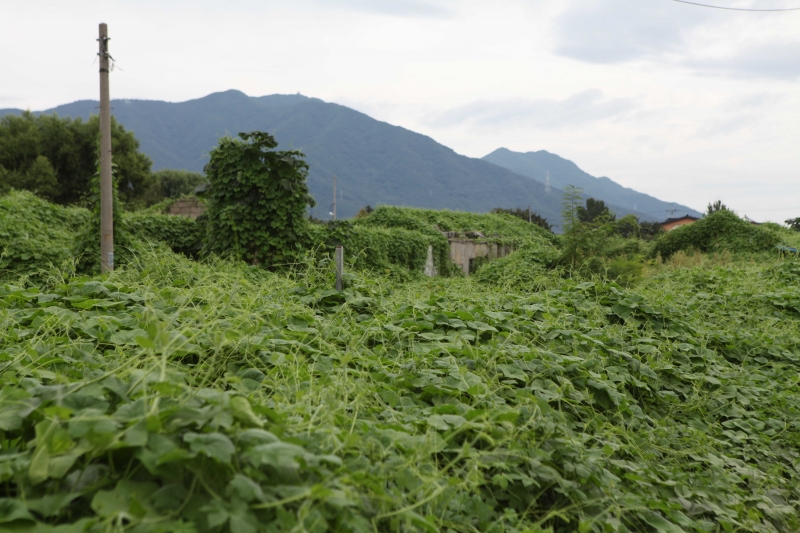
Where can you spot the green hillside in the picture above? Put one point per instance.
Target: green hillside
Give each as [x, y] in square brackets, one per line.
[562, 172]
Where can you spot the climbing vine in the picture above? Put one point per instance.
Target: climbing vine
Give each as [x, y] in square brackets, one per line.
[256, 200]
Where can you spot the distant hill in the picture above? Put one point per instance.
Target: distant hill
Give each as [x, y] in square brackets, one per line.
[374, 162]
[562, 172]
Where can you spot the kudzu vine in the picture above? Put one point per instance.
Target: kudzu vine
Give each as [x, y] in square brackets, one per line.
[257, 198]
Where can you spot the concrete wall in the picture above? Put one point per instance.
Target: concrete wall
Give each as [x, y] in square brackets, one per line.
[190, 208]
[462, 250]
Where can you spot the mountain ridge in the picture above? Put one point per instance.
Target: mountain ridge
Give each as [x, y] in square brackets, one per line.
[538, 164]
[374, 162]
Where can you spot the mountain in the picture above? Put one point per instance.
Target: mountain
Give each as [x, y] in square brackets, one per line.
[562, 172]
[374, 162]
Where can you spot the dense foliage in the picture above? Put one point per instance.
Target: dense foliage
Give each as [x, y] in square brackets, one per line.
[35, 234]
[715, 207]
[525, 214]
[175, 395]
[55, 157]
[496, 226]
[171, 184]
[257, 199]
[179, 396]
[720, 230]
[593, 211]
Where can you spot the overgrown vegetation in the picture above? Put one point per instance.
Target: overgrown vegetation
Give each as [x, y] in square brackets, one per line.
[182, 396]
[554, 391]
[525, 214]
[55, 158]
[720, 230]
[257, 198]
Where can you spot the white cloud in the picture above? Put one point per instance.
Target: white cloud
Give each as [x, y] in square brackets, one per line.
[684, 101]
[578, 109]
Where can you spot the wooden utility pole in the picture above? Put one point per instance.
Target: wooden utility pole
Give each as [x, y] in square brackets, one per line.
[339, 267]
[334, 197]
[106, 187]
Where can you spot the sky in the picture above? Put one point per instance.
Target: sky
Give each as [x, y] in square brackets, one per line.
[686, 103]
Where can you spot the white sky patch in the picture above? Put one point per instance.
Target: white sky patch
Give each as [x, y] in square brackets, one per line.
[684, 103]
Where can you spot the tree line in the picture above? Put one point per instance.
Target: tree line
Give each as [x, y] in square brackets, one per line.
[56, 158]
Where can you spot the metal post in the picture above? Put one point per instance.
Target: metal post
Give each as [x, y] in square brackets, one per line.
[339, 266]
[106, 187]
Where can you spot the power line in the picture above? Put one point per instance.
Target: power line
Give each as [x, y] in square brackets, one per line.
[736, 8]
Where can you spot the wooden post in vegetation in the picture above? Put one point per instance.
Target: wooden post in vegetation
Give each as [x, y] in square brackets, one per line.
[106, 187]
[334, 197]
[339, 266]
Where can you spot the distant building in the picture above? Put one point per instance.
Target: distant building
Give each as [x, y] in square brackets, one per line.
[672, 223]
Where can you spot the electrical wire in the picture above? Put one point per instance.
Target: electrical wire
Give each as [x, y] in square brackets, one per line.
[736, 8]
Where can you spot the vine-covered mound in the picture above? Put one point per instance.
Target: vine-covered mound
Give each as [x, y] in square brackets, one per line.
[497, 227]
[400, 236]
[721, 231]
[178, 396]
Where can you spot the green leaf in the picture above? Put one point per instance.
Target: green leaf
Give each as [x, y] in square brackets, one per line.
[243, 412]
[245, 489]
[276, 454]
[13, 510]
[659, 522]
[214, 445]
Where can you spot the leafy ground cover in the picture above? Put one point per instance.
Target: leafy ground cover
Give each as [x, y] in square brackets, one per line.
[174, 395]
[724, 230]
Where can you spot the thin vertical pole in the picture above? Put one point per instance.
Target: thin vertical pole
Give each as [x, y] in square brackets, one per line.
[339, 267]
[334, 197]
[529, 214]
[106, 197]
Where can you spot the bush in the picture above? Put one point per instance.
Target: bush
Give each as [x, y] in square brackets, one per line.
[183, 235]
[718, 231]
[524, 268]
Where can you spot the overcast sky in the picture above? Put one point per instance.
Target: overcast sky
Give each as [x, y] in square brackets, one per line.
[686, 103]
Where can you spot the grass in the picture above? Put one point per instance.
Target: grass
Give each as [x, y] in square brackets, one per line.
[175, 395]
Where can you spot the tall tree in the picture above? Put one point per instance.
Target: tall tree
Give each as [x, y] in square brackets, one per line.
[57, 157]
[594, 210]
[716, 206]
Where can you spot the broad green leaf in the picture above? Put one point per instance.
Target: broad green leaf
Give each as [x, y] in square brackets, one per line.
[214, 445]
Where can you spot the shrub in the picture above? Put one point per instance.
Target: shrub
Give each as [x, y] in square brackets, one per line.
[718, 231]
[183, 235]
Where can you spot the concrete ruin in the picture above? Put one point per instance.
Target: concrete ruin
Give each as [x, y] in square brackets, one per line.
[187, 207]
[465, 248]
[464, 252]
